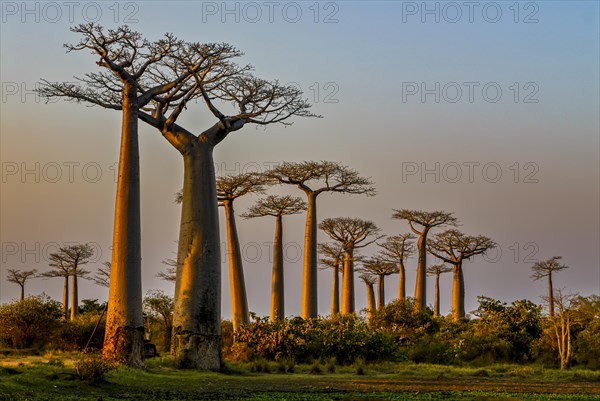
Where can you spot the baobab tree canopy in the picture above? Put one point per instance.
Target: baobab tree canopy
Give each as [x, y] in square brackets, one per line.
[452, 246]
[427, 221]
[274, 206]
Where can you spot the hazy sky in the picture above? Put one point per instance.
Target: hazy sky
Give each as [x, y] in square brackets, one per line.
[485, 109]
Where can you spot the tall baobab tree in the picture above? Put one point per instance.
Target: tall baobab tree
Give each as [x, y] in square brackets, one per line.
[454, 247]
[369, 281]
[277, 206]
[71, 259]
[427, 221]
[380, 268]
[19, 277]
[134, 71]
[352, 234]
[437, 270]
[197, 317]
[397, 249]
[332, 259]
[229, 188]
[60, 269]
[327, 177]
[545, 269]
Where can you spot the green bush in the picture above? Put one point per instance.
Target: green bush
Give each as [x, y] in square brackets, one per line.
[73, 335]
[92, 368]
[344, 338]
[30, 322]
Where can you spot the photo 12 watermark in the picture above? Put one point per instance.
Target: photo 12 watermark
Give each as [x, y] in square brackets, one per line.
[470, 172]
[253, 12]
[38, 252]
[72, 12]
[471, 12]
[469, 92]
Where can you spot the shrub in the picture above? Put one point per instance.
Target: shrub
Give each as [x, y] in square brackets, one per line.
[74, 334]
[30, 322]
[92, 368]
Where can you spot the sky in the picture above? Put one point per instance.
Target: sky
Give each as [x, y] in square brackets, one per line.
[485, 109]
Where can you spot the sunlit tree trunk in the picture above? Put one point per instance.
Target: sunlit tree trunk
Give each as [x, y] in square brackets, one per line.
[370, 300]
[310, 307]
[75, 300]
[196, 321]
[65, 301]
[436, 300]
[335, 290]
[401, 282]
[420, 285]
[458, 293]
[239, 300]
[277, 288]
[348, 283]
[380, 291]
[124, 338]
[550, 297]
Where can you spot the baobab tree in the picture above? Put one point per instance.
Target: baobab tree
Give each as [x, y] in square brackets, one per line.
[332, 259]
[545, 269]
[352, 234]
[427, 221]
[380, 268]
[454, 247]
[369, 281]
[327, 177]
[134, 72]
[229, 188]
[197, 317]
[60, 269]
[277, 206]
[437, 270]
[70, 259]
[397, 249]
[19, 277]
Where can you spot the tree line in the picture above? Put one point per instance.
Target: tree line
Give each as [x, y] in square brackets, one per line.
[154, 82]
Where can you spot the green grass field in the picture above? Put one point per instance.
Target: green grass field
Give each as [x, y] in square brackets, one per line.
[52, 377]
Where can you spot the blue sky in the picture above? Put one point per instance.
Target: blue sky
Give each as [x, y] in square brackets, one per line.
[542, 137]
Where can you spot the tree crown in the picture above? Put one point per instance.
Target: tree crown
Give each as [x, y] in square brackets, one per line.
[275, 206]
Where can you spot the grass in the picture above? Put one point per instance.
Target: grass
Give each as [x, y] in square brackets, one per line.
[52, 377]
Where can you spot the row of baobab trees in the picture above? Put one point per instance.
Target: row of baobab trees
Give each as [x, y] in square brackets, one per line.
[155, 82]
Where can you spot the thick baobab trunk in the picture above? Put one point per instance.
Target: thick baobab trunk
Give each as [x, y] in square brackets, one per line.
[550, 297]
[401, 282]
[420, 285]
[458, 293]
[196, 339]
[348, 283]
[74, 298]
[335, 290]
[237, 285]
[22, 296]
[370, 300]
[124, 338]
[380, 291]
[310, 307]
[436, 300]
[277, 295]
[65, 301]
